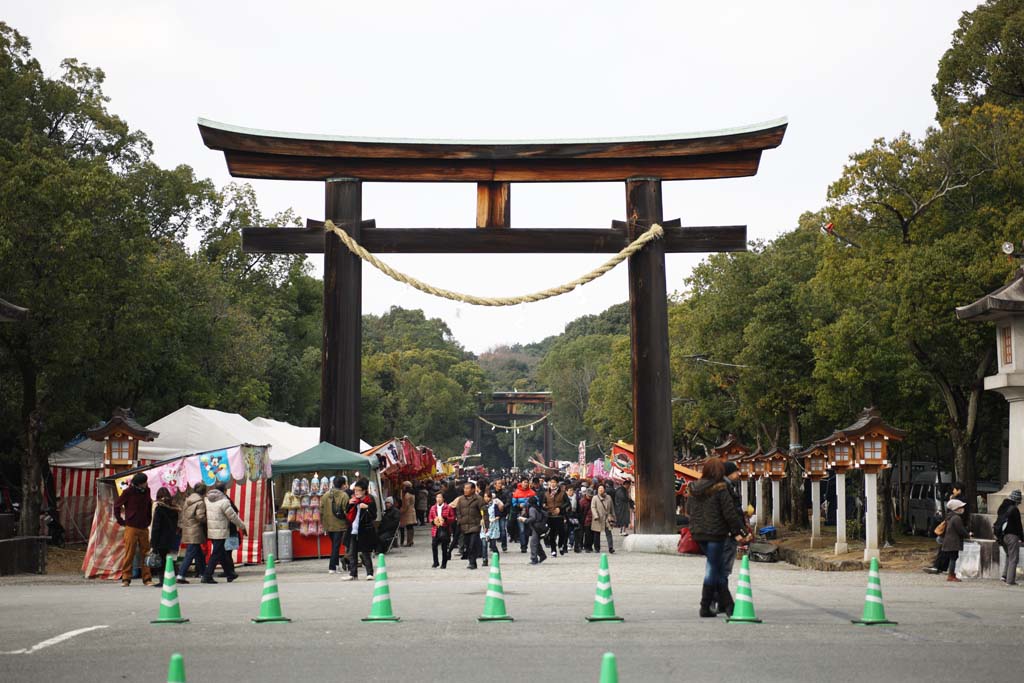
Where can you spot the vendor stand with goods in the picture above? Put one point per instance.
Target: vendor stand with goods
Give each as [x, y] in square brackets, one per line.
[401, 461]
[303, 479]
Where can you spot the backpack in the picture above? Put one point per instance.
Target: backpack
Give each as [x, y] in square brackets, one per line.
[764, 552]
[336, 508]
[541, 525]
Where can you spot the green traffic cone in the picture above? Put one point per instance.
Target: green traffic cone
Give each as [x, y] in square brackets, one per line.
[743, 612]
[170, 610]
[494, 604]
[270, 603]
[176, 669]
[604, 605]
[874, 611]
[380, 608]
[609, 669]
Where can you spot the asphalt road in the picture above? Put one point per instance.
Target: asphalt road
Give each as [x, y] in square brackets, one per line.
[966, 632]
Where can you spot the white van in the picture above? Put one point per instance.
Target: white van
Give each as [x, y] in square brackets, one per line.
[929, 492]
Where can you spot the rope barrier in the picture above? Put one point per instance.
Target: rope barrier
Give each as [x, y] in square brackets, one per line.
[509, 429]
[653, 233]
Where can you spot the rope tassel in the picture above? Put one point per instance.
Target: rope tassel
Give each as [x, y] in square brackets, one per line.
[653, 233]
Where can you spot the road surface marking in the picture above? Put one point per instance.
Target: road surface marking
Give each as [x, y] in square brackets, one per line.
[54, 641]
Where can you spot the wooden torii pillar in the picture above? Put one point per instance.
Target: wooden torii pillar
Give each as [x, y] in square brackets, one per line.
[343, 164]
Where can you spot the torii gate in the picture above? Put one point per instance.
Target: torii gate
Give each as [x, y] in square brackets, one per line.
[343, 164]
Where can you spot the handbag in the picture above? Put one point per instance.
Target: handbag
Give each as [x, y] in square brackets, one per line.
[941, 528]
[153, 560]
[231, 543]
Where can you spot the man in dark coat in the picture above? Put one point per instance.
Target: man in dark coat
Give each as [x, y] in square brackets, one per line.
[468, 517]
[133, 510]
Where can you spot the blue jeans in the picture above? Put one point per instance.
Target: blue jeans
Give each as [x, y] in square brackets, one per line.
[503, 532]
[193, 551]
[714, 568]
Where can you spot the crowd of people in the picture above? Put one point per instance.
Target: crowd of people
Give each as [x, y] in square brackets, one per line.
[476, 518]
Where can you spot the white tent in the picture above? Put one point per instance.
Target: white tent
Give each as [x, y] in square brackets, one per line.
[195, 430]
[293, 439]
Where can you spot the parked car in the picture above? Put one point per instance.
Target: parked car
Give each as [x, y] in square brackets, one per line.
[928, 494]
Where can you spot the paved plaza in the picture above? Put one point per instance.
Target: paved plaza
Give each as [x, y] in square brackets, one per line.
[969, 631]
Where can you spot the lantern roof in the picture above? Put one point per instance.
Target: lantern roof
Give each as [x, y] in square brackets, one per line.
[122, 421]
[868, 422]
[776, 453]
[1005, 302]
[9, 312]
[754, 455]
[815, 447]
[731, 446]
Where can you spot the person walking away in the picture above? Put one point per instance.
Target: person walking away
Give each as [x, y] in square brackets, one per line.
[389, 523]
[602, 518]
[713, 518]
[192, 522]
[422, 503]
[953, 539]
[408, 520]
[361, 513]
[623, 506]
[442, 518]
[133, 510]
[555, 504]
[164, 537]
[468, 511]
[732, 476]
[535, 519]
[332, 518]
[220, 515]
[1009, 534]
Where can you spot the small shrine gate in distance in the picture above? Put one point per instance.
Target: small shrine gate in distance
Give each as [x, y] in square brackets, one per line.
[641, 163]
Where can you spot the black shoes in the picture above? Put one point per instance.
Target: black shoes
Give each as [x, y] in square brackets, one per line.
[206, 580]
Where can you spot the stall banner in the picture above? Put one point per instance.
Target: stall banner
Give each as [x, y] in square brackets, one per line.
[254, 466]
[214, 467]
[170, 476]
[122, 483]
[236, 463]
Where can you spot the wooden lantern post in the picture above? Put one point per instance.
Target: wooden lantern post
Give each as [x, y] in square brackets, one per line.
[777, 459]
[815, 469]
[730, 449]
[758, 470]
[121, 435]
[746, 473]
[864, 444]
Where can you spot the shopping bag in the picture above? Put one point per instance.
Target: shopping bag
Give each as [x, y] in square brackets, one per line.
[968, 565]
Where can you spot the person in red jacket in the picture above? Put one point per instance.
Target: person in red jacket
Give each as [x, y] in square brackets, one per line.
[520, 501]
[442, 516]
[133, 510]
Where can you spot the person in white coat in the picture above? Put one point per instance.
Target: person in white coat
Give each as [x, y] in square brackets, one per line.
[220, 515]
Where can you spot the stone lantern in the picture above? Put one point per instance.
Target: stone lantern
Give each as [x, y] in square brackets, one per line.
[864, 444]
[1005, 308]
[815, 469]
[121, 435]
[746, 466]
[775, 469]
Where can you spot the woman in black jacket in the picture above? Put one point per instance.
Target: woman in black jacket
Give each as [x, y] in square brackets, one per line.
[164, 533]
[713, 519]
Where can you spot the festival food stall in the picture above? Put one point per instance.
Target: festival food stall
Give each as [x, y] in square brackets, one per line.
[401, 461]
[298, 485]
[244, 468]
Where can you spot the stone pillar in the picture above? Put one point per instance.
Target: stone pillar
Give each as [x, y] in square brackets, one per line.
[1015, 458]
[815, 512]
[776, 503]
[841, 546]
[871, 516]
[745, 494]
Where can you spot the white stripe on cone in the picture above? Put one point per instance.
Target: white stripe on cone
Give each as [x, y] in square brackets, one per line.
[744, 598]
[269, 596]
[381, 598]
[873, 598]
[495, 594]
[169, 603]
[603, 601]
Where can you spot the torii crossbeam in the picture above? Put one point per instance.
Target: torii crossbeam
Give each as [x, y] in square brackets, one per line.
[344, 163]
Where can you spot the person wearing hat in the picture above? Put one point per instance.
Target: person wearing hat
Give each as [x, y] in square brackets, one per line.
[1008, 521]
[388, 525]
[133, 510]
[955, 535]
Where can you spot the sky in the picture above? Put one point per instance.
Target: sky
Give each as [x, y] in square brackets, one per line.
[844, 73]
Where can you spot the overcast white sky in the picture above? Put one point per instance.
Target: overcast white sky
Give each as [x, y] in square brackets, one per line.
[843, 72]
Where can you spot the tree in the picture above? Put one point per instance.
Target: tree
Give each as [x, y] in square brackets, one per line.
[985, 63]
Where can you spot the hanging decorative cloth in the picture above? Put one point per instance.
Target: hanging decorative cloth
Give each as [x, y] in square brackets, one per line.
[236, 463]
[170, 476]
[214, 467]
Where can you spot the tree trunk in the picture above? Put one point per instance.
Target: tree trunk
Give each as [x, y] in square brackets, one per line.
[31, 467]
[794, 476]
[885, 500]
